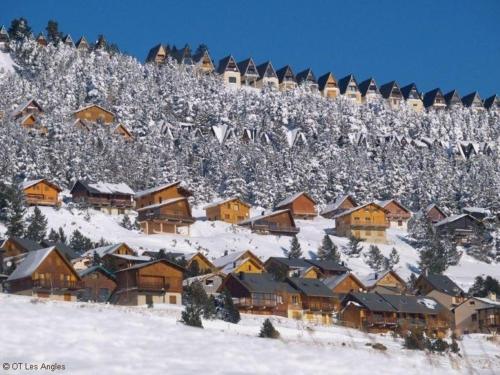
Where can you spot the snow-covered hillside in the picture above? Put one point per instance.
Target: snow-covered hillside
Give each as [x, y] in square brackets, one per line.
[6, 63]
[217, 237]
[87, 338]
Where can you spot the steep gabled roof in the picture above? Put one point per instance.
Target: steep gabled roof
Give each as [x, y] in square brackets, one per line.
[224, 201]
[387, 89]
[406, 90]
[336, 203]
[327, 265]
[413, 304]
[344, 83]
[386, 202]
[291, 262]
[350, 211]
[200, 54]
[370, 301]
[443, 284]
[286, 71]
[452, 218]
[492, 102]
[166, 202]
[183, 55]
[434, 205]
[29, 183]
[265, 68]
[94, 105]
[82, 43]
[104, 250]
[25, 243]
[472, 98]
[292, 198]
[452, 98]
[323, 80]
[310, 287]
[228, 263]
[270, 214]
[365, 85]
[68, 41]
[430, 97]
[244, 65]
[373, 278]
[93, 269]
[305, 76]
[224, 62]
[22, 107]
[104, 187]
[142, 265]
[333, 281]
[155, 189]
[262, 283]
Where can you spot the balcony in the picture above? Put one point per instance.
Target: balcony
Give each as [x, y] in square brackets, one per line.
[57, 284]
[40, 199]
[255, 302]
[107, 202]
[156, 286]
[275, 228]
[369, 224]
[326, 307]
[168, 217]
[380, 321]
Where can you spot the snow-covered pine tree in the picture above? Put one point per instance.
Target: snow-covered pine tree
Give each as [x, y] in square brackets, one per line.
[354, 247]
[295, 251]
[268, 331]
[375, 259]
[37, 228]
[328, 250]
[14, 213]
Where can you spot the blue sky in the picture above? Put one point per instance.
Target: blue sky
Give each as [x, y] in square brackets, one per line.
[445, 43]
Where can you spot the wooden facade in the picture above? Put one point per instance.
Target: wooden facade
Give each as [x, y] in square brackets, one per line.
[231, 210]
[369, 90]
[434, 99]
[158, 54]
[159, 281]
[170, 216]
[202, 263]
[114, 198]
[98, 285]
[489, 319]
[388, 281]
[341, 204]
[452, 99]
[368, 222]
[441, 288]
[160, 194]
[242, 261]
[95, 113]
[460, 228]
[434, 213]
[398, 215]
[41, 193]
[45, 273]
[203, 61]
[277, 222]
[392, 93]
[466, 315]
[349, 88]
[340, 285]
[301, 205]
[15, 246]
[327, 86]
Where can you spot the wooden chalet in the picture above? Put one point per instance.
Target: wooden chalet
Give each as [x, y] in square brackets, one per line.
[158, 54]
[267, 76]
[108, 197]
[45, 273]
[301, 205]
[341, 285]
[122, 130]
[159, 194]
[249, 73]
[82, 44]
[392, 93]
[441, 288]
[106, 253]
[328, 268]
[159, 281]
[327, 86]
[434, 99]
[434, 214]
[492, 103]
[466, 315]
[277, 222]
[98, 284]
[199, 261]
[41, 40]
[95, 113]
[67, 40]
[282, 267]
[286, 78]
[41, 192]
[376, 312]
[27, 114]
[367, 222]
[473, 100]
[386, 282]
[478, 213]
[488, 318]
[339, 205]
[397, 214]
[259, 293]
[4, 39]
[452, 99]
[307, 79]
[239, 261]
[349, 88]
[369, 90]
[229, 71]
[461, 228]
[231, 210]
[210, 282]
[171, 216]
[14, 246]
[411, 95]
[203, 61]
[316, 298]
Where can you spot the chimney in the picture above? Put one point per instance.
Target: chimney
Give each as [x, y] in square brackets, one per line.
[492, 295]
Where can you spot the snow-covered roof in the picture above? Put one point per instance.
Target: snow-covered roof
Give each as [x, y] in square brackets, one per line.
[152, 190]
[350, 211]
[30, 263]
[139, 258]
[256, 218]
[226, 259]
[164, 203]
[452, 218]
[332, 281]
[335, 204]
[23, 106]
[103, 250]
[384, 203]
[223, 201]
[27, 184]
[109, 188]
[478, 210]
[488, 301]
[374, 277]
[93, 105]
[291, 198]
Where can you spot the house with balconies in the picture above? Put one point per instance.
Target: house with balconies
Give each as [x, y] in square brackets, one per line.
[228, 70]
[391, 92]
[473, 100]
[340, 204]
[267, 76]
[112, 198]
[367, 222]
[203, 61]
[41, 192]
[434, 99]
[307, 79]
[301, 205]
[278, 222]
[249, 73]
[349, 88]
[398, 215]
[369, 90]
[286, 78]
[453, 100]
[327, 86]
[412, 97]
[170, 216]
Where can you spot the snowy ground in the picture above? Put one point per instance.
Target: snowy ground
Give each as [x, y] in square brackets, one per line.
[6, 63]
[98, 339]
[216, 237]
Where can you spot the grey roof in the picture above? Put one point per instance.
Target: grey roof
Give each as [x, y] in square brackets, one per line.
[344, 82]
[492, 101]
[281, 73]
[92, 269]
[223, 63]
[374, 277]
[310, 287]
[468, 100]
[453, 218]
[332, 281]
[263, 68]
[413, 304]
[365, 85]
[103, 250]
[262, 283]
[291, 198]
[259, 217]
[200, 53]
[154, 189]
[62, 247]
[25, 104]
[30, 263]
[444, 284]
[81, 42]
[323, 80]
[154, 51]
[336, 203]
[26, 243]
[387, 201]
[351, 210]
[164, 203]
[452, 98]
[306, 75]
[245, 64]
[327, 265]
[105, 187]
[371, 301]
[291, 262]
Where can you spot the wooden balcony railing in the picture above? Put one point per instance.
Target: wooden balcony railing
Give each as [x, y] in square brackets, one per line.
[369, 224]
[152, 285]
[39, 199]
[380, 321]
[318, 306]
[57, 284]
[275, 228]
[177, 218]
[255, 302]
[120, 203]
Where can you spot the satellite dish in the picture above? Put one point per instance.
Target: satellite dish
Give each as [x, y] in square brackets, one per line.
[9, 263]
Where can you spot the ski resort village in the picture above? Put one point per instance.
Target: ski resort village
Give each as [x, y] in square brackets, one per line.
[177, 214]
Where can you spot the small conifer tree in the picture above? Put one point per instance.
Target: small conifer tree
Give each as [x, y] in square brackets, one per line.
[268, 331]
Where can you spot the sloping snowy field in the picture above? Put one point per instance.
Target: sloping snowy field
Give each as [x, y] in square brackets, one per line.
[98, 339]
[216, 237]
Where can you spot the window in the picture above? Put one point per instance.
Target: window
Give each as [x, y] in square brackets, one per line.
[249, 267]
[474, 317]
[295, 300]
[231, 79]
[236, 207]
[226, 216]
[400, 223]
[209, 282]
[172, 300]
